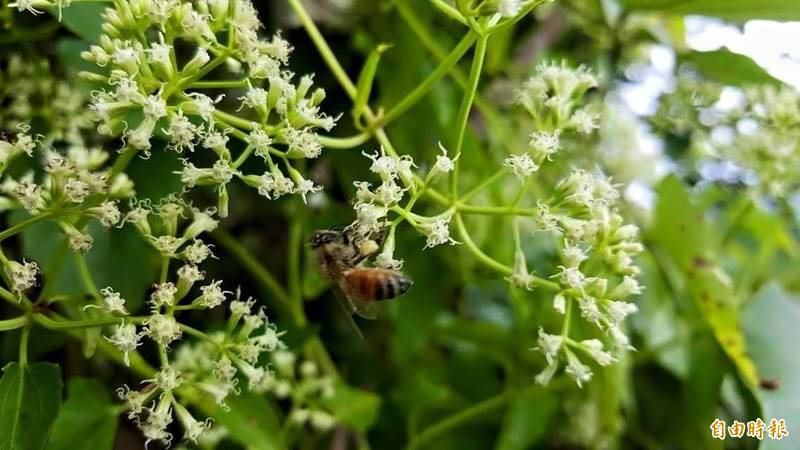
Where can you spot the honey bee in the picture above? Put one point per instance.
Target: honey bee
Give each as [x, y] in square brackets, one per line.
[357, 288]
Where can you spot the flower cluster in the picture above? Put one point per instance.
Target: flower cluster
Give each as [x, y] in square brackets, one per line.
[30, 93]
[754, 132]
[766, 142]
[300, 382]
[552, 99]
[374, 204]
[211, 366]
[152, 87]
[75, 186]
[596, 275]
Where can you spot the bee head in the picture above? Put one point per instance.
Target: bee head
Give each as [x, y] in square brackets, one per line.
[322, 237]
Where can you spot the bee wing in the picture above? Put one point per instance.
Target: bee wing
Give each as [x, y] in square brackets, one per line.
[365, 309]
[348, 308]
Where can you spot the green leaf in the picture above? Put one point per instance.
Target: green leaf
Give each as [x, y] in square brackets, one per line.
[680, 231]
[770, 322]
[30, 398]
[354, 407]
[527, 419]
[251, 422]
[83, 19]
[88, 411]
[728, 68]
[365, 79]
[736, 10]
[118, 258]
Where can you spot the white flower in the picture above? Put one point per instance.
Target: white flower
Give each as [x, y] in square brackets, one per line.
[303, 142]
[438, 233]
[163, 329]
[573, 255]
[521, 165]
[190, 274]
[594, 347]
[192, 428]
[572, 277]
[212, 295]
[197, 252]
[385, 259]
[164, 295]
[577, 370]
[388, 193]
[305, 187]
[543, 144]
[549, 345]
[215, 140]
[154, 107]
[108, 213]
[382, 164]
[443, 163]
[260, 141]
[167, 379]
[618, 311]
[202, 222]
[547, 374]
[584, 121]
[275, 184]
[368, 218]
[126, 339]
[203, 105]
[629, 286]
[23, 276]
[321, 420]
[620, 339]
[363, 193]
[81, 243]
[589, 309]
[158, 419]
[77, 190]
[27, 5]
[521, 278]
[29, 194]
[254, 98]
[560, 303]
[159, 53]
[509, 8]
[182, 133]
[113, 302]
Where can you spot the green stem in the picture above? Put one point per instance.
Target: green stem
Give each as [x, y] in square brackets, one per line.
[346, 142]
[447, 63]
[60, 324]
[218, 84]
[449, 11]
[460, 418]
[235, 121]
[466, 105]
[23, 345]
[322, 46]
[496, 210]
[13, 324]
[8, 232]
[429, 40]
[262, 275]
[293, 261]
[86, 277]
[482, 257]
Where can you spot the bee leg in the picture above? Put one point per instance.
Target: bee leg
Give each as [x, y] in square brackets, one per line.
[381, 236]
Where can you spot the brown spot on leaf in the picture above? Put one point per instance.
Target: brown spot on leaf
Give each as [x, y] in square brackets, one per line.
[699, 262]
[770, 384]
